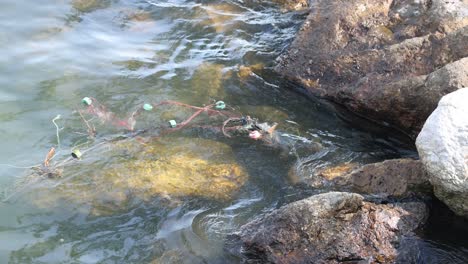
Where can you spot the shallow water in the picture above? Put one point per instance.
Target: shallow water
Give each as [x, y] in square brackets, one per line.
[125, 53]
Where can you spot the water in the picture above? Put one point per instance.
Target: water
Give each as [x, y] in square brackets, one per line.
[125, 53]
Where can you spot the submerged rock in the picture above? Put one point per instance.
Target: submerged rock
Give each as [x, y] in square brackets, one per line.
[394, 178]
[190, 167]
[265, 112]
[329, 228]
[207, 82]
[381, 59]
[443, 149]
[245, 72]
[90, 5]
[173, 168]
[221, 17]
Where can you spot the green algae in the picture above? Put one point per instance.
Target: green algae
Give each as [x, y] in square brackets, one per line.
[132, 169]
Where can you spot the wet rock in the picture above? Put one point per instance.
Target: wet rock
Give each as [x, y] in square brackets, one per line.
[265, 112]
[187, 168]
[90, 5]
[292, 5]
[129, 171]
[246, 71]
[329, 228]
[381, 58]
[137, 20]
[177, 257]
[207, 82]
[222, 17]
[443, 148]
[395, 178]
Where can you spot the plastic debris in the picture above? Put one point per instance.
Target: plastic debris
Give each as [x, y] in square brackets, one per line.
[147, 107]
[220, 105]
[76, 153]
[172, 123]
[87, 101]
[255, 135]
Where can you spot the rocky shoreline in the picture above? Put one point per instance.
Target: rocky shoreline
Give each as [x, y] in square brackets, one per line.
[391, 62]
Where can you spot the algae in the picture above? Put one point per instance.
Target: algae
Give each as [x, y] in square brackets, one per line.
[90, 5]
[222, 17]
[266, 112]
[246, 71]
[129, 170]
[207, 81]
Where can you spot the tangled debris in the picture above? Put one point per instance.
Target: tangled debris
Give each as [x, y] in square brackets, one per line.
[219, 117]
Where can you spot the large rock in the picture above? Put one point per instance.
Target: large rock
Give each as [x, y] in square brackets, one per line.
[443, 149]
[123, 172]
[388, 60]
[329, 228]
[397, 178]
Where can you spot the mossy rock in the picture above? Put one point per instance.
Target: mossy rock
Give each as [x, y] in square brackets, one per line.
[207, 81]
[90, 5]
[165, 168]
[186, 167]
[222, 17]
[245, 72]
[265, 113]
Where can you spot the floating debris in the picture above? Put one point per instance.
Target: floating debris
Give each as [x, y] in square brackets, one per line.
[153, 166]
[172, 123]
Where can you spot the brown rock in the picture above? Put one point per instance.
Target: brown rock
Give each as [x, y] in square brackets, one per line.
[398, 177]
[380, 58]
[329, 228]
[395, 178]
[292, 5]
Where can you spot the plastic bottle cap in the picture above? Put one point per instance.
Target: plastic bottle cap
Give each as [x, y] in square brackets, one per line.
[220, 105]
[76, 153]
[148, 107]
[87, 101]
[172, 123]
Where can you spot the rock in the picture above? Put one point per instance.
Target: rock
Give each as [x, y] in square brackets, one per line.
[177, 257]
[245, 72]
[292, 5]
[266, 113]
[387, 60]
[221, 17]
[131, 171]
[443, 148]
[395, 178]
[284, 5]
[207, 82]
[90, 5]
[329, 228]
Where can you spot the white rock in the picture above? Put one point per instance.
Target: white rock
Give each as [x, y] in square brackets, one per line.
[443, 149]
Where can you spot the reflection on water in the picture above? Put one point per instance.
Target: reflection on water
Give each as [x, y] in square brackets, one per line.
[55, 52]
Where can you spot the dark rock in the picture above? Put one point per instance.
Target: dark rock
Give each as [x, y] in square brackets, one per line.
[381, 58]
[329, 228]
[396, 178]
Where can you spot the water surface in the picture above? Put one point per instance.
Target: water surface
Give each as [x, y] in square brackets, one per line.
[125, 53]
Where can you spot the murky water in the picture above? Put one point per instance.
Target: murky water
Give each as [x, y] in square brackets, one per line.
[108, 208]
